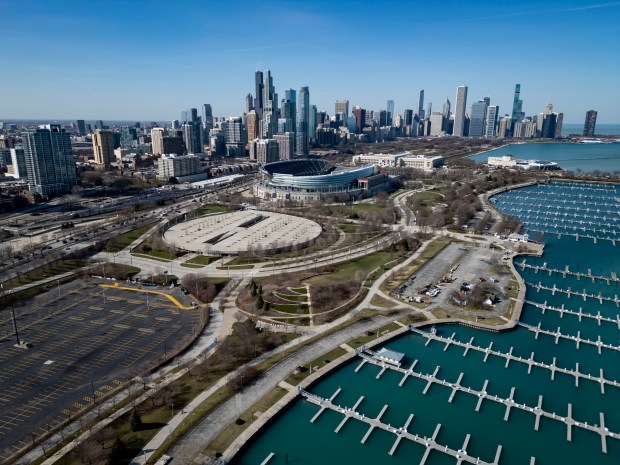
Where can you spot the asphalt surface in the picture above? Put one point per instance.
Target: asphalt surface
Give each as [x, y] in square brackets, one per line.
[84, 346]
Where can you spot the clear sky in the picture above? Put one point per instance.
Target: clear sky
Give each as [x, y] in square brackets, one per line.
[149, 60]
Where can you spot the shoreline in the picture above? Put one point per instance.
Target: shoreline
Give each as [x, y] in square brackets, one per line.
[246, 437]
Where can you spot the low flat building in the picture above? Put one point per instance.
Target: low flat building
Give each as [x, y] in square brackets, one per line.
[508, 161]
[402, 159]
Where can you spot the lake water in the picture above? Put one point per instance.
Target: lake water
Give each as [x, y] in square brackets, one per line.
[572, 157]
[293, 439]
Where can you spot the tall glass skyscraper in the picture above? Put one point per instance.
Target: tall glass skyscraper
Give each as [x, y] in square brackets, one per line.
[491, 124]
[303, 120]
[50, 166]
[517, 106]
[477, 118]
[390, 112]
[459, 113]
[590, 124]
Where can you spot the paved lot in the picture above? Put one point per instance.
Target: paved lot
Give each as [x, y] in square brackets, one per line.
[86, 342]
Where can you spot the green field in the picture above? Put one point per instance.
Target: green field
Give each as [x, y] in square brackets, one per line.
[119, 243]
[199, 261]
[347, 270]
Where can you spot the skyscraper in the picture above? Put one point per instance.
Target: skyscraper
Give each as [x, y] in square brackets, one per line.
[18, 161]
[258, 96]
[342, 106]
[446, 108]
[270, 107]
[491, 123]
[312, 124]
[128, 136]
[390, 112]
[517, 106]
[81, 127]
[289, 108]
[103, 147]
[235, 140]
[360, 119]
[157, 142]
[421, 104]
[192, 137]
[590, 124]
[459, 113]
[249, 103]
[303, 121]
[50, 166]
[558, 125]
[477, 118]
[207, 116]
[286, 145]
[252, 125]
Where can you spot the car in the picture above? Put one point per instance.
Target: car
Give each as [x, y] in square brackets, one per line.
[148, 284]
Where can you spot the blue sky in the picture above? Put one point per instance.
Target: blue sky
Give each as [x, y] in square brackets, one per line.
[149, 60]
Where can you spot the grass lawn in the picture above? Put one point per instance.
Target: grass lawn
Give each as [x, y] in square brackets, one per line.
[299, 290]
[413, 318]
[45, 271]
[295, 378]
[292, 298]
[211, 208]
[349, 228]
[381, 302]
[346, 270]
[360, 341]
[302, 321]
[119, 243]
[199, 261]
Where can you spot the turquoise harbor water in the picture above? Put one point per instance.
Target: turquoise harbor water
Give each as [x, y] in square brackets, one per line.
[571, 157]
[566, 316]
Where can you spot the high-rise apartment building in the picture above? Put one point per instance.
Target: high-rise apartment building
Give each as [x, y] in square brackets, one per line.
[173, 144]
[286, 145]
[558, 125]
[103, 147]
[128, 136]
[170, 166]
[50, 166]
[503, 129]
[459, 113]
[421, 104]
[18, 161]
[252, 124]
[477, 118]
[192, 137]
[235, 137]
[517, 106]
[267, 151]
[312, 124]
[590, 124]
[289, 108]
[303, 122]
[491, 122]
[157, 141]
[342, 106]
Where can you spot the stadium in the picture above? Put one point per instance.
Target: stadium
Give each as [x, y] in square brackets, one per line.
[311, 180]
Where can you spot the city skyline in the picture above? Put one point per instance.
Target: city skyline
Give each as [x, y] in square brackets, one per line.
[92, 63]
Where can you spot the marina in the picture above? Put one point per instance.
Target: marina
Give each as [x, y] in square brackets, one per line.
[461, 395]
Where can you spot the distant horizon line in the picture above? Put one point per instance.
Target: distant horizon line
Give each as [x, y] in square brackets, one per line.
[135, 120]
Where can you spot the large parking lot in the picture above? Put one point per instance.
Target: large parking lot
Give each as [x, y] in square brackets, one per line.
[87, 341]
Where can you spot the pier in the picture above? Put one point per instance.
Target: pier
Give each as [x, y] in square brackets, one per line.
[531, 362]
[580, 314]
[508, 402]
[570, 293]
[599, 344]
[566, 272]
[430, 443]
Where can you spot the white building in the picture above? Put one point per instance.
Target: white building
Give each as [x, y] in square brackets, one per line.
[508, 161]
[177, 166]
[403, 159]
